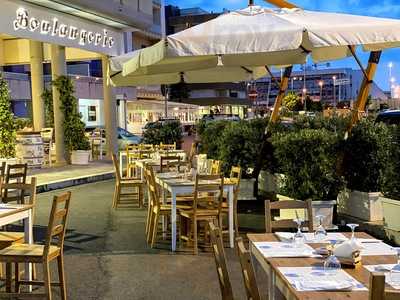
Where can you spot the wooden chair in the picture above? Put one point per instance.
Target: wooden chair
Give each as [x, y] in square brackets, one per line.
[47, 135]
[168, 146]
[249, 277]
[16, 173]
[215, 167]
[132, 154]
[8, 238]
[156, 208]
[121, 184]
[220, 262]
[377, 288]
[234, 177]
[3, 169]
[169, 161]
[42, 254]
[207, 206]
[271, 224]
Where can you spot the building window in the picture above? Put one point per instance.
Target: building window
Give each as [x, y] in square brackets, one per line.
[92, 114]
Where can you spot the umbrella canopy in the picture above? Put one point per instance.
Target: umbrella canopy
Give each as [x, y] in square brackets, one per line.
[237, 45]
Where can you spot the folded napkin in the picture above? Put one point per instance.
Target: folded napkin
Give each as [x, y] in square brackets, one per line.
[323, 285]
[347, 248]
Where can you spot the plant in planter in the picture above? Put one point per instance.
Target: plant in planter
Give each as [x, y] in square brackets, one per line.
[210, 134]
[390, 180]
[361, 167]
[167, 133]
[308, 159]
[74, 128]
[7, 126]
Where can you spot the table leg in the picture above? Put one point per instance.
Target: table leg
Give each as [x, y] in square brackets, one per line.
[164, 218]
[120, 164]
[173, 221]
[28, 230]
[231, 219]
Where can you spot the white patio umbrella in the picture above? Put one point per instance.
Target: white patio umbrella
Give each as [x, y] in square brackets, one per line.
[237, 45]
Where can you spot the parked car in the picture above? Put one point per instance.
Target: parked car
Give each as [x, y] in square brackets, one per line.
[390, 117]
[219, 117]
[124, 136]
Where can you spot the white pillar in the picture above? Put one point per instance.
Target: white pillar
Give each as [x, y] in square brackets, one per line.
[58, 68]
[37, 84]
[110, 111]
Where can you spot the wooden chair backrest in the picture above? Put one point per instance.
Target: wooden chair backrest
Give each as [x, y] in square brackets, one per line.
[154, 196]
[210, 185]
[377, 288]
[116, 168]
[23, 190]
[192, 154]
[271, 224]
[168, 159]
[146, 147]
[168, 146]
[249, 277]
[215, 167]
[236, 175]
[57, 222]
[3, 169]
[220, 262]
[16, 173]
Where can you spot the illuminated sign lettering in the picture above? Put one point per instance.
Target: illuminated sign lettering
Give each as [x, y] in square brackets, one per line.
[54, 28]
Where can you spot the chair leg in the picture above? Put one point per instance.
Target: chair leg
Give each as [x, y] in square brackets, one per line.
[61, 276]
[118, 195]
[155, 228]
[8, 277]
[17, 285]
[47, 280]
[150, 225]
[115, 196]
[195, 240]
[141, 196]
[148, 219]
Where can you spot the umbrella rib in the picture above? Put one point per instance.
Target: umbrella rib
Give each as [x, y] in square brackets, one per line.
[115, 74]
[273, 79]
[353, 53]
[247, 70]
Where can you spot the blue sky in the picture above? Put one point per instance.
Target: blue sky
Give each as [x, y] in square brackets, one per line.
[378, 8]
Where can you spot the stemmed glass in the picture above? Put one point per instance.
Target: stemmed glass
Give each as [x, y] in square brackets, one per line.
[320, 233]
[395, 271]
[352, 227]
[298, 237]
[332, 263]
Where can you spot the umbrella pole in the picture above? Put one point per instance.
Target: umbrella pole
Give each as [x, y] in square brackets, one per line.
[282, 90]
[361, 102]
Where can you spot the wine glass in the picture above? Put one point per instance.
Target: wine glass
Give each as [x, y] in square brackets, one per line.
[395, 271]
[320, 233]
[352, 227]
[332, 264]
[298, 237]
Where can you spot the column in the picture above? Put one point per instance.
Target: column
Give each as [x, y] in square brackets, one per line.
[37, 84]
[58, 68]
[110, 111]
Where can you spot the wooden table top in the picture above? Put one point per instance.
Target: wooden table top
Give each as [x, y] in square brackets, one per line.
[359, 273]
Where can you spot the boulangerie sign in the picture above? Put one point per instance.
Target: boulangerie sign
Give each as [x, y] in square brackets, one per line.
[24, 20]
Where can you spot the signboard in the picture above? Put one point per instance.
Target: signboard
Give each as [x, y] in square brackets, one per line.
[342, 81]
[24, 20]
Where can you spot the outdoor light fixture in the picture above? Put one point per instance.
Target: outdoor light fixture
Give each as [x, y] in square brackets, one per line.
[321, 83]
[304, 91]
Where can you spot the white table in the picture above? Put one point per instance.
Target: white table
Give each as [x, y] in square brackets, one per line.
[184, 186]
[122, 158]
[11, 213]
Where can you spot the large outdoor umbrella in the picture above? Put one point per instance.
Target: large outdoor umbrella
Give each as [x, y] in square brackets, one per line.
[237, 46]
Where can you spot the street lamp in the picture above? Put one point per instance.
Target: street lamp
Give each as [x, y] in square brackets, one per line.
[304, 98]
[293, 78]
[334, 91]
[321, 84]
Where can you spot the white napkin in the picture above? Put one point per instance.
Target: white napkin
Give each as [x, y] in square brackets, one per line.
[321, 285]
[347, 248]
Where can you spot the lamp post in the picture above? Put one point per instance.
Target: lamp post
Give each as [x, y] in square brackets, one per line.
[334, 91]
[390, 66]
[321, 84]
[304, 99]
[293, 78]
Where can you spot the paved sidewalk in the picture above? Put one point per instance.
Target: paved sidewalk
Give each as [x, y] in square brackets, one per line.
[107, 257]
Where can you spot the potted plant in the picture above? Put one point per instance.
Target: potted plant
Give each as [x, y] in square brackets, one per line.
[308, 158]
[361, 167]
[7, 126]
[76, 142]
[390, 181]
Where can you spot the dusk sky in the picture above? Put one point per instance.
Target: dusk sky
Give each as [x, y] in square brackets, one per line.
[381, 8]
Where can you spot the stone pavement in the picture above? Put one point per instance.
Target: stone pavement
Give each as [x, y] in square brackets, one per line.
[107, 256]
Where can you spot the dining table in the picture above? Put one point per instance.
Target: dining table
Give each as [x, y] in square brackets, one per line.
[280, 270]
[181, 184]
[11, 213]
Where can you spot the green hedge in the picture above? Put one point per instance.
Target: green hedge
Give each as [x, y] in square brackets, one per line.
[167, 133]
[309, 160]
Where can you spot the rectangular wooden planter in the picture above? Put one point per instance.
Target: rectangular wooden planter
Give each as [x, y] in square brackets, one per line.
[362, 205]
